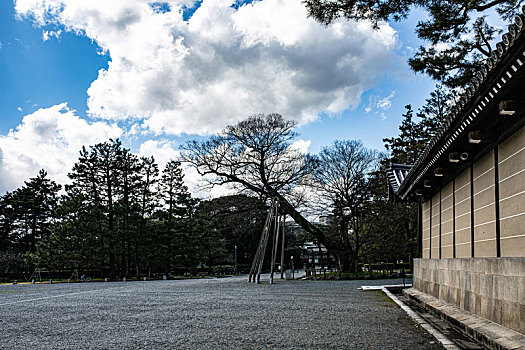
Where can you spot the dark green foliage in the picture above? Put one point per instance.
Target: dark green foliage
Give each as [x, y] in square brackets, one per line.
[457, 32]
[117, 216]
[407, 147]
[230, 221]
[177, 209]
[28, 213]
[414, 135]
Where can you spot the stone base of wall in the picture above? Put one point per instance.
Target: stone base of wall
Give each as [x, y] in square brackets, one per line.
[489, 334]
[493, 288]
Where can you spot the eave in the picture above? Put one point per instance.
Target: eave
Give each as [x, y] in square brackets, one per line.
[481, 112]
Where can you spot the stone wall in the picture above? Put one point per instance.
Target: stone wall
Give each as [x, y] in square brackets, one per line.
[493, 288]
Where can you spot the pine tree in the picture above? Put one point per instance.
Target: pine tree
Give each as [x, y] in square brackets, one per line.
[177, 208]
[414, 135]
[33, 211]
[406, 147]
[457, 33]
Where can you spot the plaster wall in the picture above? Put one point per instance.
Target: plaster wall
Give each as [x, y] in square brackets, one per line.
[426, 229]
[461, 221]
[511, 178]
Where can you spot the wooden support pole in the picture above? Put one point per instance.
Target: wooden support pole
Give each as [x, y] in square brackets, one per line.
[282, 245]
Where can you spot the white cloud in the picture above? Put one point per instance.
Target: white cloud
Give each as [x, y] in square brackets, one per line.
[48, 34]
[440, 47]
[163, 151]
[49, 138]
[301, 145]
[386, 103]
[19, 109]
[222, 64]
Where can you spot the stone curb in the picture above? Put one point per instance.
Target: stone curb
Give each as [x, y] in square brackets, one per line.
[490, 334]
[440, 337]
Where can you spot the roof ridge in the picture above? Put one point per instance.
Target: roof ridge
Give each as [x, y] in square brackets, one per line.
[514, 31]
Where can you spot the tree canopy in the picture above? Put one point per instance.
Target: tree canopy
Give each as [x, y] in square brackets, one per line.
[458, 33]
[256, 155]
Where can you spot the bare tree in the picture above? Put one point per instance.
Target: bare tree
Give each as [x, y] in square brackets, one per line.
[256, 156]
[345, 189]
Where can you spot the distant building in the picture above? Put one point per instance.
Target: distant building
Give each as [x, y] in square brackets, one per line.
[470, 184]
[326, 219]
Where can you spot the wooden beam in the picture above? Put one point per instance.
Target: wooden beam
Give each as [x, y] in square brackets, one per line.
[507, 107]
[453, 157]
[475, 137]
[439, 172]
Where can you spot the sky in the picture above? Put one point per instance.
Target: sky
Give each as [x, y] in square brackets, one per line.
[158, 73]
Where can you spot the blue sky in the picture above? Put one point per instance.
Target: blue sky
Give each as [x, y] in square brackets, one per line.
[73, 74]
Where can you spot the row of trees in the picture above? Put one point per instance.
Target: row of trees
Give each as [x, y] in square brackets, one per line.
[345, 180]
[121, 215]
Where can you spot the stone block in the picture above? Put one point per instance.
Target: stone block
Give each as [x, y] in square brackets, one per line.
[435, 276]
[467, 281]
[522, 318]
[452, 278]
[486, 285]
[499, 266]
[478, 266]
[446, 277]
[510, 288]
[475, 283]
[510, 315]
[496, 310]
[521, 290]
[451, 297]
[497, 291]
[470, 303]
[485, 307]
[426, 287]
[491, 265]
[463, 264]
[459, 297]
[463, 300]
[477, 305]
[443, 264]
[432, 264]
[435, 290]
[452, 264]
[514, 267]
[443, 292]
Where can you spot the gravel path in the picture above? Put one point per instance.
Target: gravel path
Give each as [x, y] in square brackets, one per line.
[224, 313]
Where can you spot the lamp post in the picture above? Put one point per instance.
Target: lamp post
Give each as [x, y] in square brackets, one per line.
[235, 270]
[293, 270]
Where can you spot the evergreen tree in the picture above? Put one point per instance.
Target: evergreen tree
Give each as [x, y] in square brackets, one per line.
[408, 145]
[177, 209]
[414, 135]
[149, 171]
[32, 211]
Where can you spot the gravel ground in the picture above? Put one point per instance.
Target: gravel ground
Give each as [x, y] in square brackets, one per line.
[227, 313]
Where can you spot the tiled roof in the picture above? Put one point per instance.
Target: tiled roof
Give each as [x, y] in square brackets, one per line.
[396, 174]
[472, 101]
